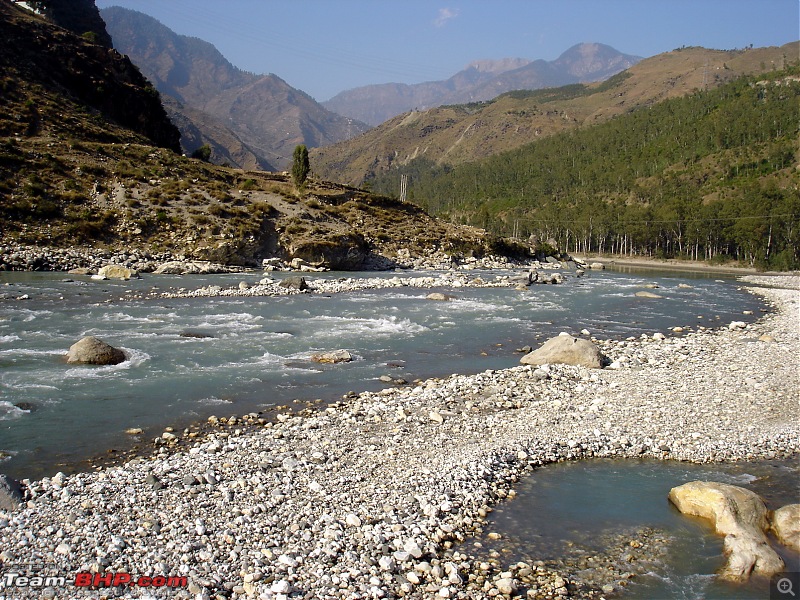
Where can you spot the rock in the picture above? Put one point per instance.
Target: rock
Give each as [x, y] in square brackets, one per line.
[337, 356]
[647, 295]
[190, 267]
[11, 497]
[81, 271]
[93, 351]
[785, 523]
[117, 272]
[294, 283]
[134, 431]
[506, 586]
[195, 334]
[766, 338]
[567, 350]
[597, 266]
[738, 514]
[436, 417]
[437, 296]
[737, 325]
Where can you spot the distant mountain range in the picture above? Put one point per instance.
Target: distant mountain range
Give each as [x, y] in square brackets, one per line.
[456, 134]
[250, 121]
[481, 80]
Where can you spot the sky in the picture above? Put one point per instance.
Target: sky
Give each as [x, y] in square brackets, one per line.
[326, 46]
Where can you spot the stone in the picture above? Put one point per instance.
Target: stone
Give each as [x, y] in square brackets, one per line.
[11, 497]
[506, 586]
[189, 267]
[785, 523]
[81, 271]
[438, 296]
[436, 417]
[737, 325]
[334, 357]
[597, 266]
[738, 514]
[766, 338]
[568, 350]
[117, 272]
[644, 294]
[93, 351]
[294, 283]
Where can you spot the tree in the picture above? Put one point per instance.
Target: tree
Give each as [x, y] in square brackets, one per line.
[300, 166]
[203, 153]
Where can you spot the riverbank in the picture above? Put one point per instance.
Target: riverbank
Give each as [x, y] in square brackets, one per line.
[674, 264]
[369, 497]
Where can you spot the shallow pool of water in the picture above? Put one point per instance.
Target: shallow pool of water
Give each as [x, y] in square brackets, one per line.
[574, 508]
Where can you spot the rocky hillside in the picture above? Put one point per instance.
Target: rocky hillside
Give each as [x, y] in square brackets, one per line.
[463, 133]
[65, 86]
[88, 158]
[480, 81]
[265, 117]
[78, 16]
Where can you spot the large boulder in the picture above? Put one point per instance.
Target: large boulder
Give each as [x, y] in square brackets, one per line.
[294, 283]
[336, 356]
[190, 267]
[786, 526]
[11, 496]
[567, 350]
[117, 272]
[739, 515]
[92, 351]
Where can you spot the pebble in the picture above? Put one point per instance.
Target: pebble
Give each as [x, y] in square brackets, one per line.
[336, 504]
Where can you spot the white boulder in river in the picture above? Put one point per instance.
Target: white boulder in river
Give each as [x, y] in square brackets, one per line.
[93, 351]
[567, 350]
[738, 514]
[786, 526]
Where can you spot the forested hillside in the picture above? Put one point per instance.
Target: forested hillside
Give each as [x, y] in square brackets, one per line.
[712, 175]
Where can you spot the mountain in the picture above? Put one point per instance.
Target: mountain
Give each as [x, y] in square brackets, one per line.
[707, 175]
[78, 16]
[455, 134]
[481, 80]
[265, 117]
[88, 158]
[52, 75]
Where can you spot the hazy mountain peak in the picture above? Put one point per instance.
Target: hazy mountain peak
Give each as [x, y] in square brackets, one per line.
[482, 80]
[497, 66]
[591, 61]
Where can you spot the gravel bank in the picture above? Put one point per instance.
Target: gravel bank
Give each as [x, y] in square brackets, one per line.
[369, 497]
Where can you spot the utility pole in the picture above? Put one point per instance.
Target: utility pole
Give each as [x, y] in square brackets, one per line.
[403, 187]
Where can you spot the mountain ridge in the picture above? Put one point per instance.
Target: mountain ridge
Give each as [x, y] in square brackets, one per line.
[481, 80]
[453, 134]
[262, 112]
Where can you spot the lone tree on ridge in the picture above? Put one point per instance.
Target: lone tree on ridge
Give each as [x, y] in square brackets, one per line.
[300, 166]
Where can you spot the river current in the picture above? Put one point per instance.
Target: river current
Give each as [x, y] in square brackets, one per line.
[190, 358]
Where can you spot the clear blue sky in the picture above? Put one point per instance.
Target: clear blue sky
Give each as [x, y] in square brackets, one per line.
[325, 46]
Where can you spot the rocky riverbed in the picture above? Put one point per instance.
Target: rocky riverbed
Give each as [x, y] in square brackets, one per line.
[372, 496]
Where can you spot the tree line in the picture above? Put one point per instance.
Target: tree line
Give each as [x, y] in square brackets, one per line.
[708, 176]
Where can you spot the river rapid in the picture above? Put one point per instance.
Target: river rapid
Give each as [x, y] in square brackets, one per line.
[189, 358]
